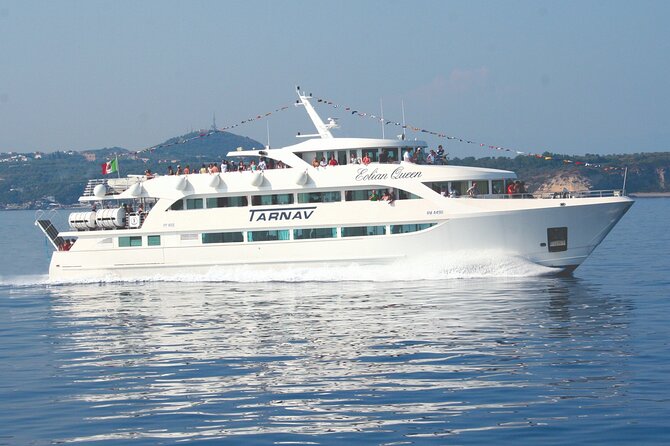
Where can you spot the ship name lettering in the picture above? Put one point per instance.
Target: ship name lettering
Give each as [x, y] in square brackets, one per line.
[400, 173]
[303, 213]
[363, 175]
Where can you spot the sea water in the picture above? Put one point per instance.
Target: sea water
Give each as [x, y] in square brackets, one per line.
[469, 351]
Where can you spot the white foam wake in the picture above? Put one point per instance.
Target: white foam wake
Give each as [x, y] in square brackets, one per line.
[454, 266]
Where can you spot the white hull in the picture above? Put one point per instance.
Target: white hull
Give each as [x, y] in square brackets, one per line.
[518, 233]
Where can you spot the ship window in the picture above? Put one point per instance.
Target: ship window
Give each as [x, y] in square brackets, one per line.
[301, 234]
[482, 186]
[438, 186]
[498, 186]
[342, 157]
[177, 205]
[404, 195]
[359, 231]
[392, 155]
[227, 202]
[194, 203]
[319, 197]
[264, 200]
[222, 237]
[153, 240]
[461, 187]
[403, 229]
[361, 195]
[263, 236]
[557, 239]
[125, 242]
[373, 154]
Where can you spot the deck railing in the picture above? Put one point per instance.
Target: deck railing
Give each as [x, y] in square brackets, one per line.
[555, 195]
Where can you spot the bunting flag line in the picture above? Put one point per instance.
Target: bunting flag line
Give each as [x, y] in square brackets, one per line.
[204, 134]
[356, 112]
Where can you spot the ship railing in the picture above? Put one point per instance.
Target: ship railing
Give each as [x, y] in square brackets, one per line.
[114, 186]
[554, 195]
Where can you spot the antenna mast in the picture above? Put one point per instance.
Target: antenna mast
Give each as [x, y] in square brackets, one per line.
[321, 127]
[404, 127]
[381, 105]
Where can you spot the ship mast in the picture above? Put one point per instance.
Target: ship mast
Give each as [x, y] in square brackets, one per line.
[321, 127]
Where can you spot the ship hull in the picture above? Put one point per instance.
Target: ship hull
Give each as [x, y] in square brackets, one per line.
[518, 233]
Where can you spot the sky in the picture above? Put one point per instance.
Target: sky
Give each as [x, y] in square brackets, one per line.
[569, 77]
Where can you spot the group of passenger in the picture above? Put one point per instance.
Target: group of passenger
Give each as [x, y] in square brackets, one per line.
[419, 156]
[516, 188]
[385, 196]
[223, 167]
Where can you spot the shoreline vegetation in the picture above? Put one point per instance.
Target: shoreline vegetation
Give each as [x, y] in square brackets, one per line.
[56, 180]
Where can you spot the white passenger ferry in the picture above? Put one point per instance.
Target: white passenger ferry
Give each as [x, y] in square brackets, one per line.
[309, 215]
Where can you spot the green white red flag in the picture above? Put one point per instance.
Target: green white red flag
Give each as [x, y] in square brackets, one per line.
[110, 166]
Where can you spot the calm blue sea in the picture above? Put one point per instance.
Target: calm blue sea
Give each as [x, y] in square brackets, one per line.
[475, 354]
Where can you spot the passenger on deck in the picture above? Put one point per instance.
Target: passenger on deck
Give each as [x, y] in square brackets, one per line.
[383, 157]
[187, 169]
[354, 159]
[332, 161]
[203, 169]
[262, 165]
[374, 196]
[323, 162]
[440, 157]
[472, 190]
[170, 171]
[215, 168]
[407, 156]
[148, 174]
[366, 159]
[179, 171]
[510, 189]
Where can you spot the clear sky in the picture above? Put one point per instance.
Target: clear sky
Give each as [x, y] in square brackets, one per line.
[571, 77]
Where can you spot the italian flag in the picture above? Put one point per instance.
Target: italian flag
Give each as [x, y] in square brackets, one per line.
[110, 166]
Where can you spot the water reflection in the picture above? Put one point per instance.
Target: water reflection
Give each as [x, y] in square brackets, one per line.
[212, 360]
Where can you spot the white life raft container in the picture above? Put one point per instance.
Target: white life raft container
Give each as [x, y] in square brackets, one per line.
[82, 221]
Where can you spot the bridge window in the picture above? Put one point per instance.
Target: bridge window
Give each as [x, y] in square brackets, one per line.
[360, 231]
[264, 236]
[312, 233]
[222, 237]
[153, 240]
[177, 205]
[404, 229]
[319, 197]
[125, 242]
[264, 200]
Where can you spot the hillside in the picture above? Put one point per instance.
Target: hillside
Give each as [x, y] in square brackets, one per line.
[35, 181]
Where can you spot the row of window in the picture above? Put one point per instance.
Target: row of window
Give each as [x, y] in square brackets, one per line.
[281, 234]
[283, 199]
[311, 233]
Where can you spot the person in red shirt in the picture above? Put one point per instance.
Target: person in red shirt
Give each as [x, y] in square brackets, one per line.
[332, 161]
[366, 159]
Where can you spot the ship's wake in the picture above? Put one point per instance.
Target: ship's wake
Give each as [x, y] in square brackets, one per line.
[454, 266]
